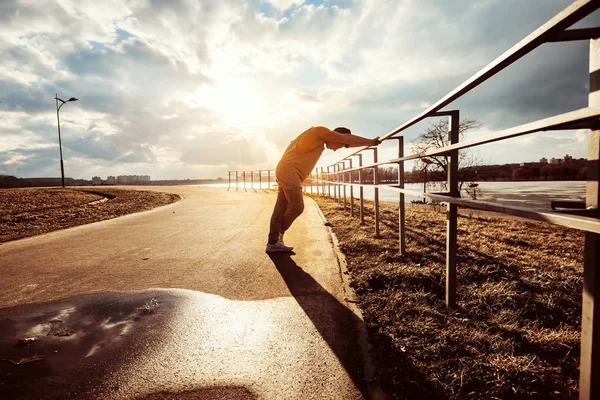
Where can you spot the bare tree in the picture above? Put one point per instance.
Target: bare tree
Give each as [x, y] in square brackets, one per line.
[473, 190]
[437, 137]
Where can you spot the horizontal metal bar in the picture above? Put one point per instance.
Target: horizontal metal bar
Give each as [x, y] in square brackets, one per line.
[372, 185]
[443, 113]
[583, 223]
[593, 124]
[585, 213]
[577, 34]
[578, 116]
[578, 205]
[581, 115]
[587, 224]
[570, 15]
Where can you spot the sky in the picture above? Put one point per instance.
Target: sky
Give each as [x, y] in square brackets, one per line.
[191, 89]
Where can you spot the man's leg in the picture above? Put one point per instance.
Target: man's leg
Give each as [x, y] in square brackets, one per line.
[295, 207]
[277, 217]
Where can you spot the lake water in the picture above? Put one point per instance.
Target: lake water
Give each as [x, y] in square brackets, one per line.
[536, 195]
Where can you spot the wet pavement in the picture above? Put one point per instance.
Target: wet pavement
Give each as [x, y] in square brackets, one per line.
[231, 322]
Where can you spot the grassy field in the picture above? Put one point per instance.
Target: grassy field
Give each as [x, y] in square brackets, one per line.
[515, 332]
[26, 212]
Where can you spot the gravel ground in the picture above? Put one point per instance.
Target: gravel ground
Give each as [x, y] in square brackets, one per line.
[26, 212]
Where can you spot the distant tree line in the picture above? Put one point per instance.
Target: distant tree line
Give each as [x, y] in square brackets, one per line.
[573, 170]
[9, 181]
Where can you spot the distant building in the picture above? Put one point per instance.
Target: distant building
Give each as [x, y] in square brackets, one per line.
[531, 164]
[544, 160]
[96, 180]
[132, 179]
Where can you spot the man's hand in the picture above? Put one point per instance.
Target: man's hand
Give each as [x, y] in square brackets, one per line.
[376, 141]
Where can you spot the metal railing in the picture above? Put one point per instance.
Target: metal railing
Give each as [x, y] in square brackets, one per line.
[265, 178]
[335, 178]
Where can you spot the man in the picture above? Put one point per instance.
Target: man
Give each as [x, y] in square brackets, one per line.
[295, 166]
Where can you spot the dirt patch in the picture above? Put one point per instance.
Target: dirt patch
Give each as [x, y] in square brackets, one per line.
[515, 332]
[27, 212]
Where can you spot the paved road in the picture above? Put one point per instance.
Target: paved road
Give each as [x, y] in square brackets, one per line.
[181, 299]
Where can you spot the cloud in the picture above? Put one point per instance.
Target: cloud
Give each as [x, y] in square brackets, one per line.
[174, 89]
[283, 5]
[213, 148]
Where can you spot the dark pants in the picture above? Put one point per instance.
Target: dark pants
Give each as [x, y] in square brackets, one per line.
[288, 207]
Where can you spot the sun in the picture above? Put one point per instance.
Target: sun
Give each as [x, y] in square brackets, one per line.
[239, 102]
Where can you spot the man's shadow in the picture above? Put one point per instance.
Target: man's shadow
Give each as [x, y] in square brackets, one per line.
[336, 324]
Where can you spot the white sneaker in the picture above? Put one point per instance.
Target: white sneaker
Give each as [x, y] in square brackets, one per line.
[278, 246]
[282, 242]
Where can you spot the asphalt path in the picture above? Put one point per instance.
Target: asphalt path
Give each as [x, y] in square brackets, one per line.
[179, 302]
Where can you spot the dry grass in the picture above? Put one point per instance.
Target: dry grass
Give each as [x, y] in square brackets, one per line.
[29, 212]
[515, 333]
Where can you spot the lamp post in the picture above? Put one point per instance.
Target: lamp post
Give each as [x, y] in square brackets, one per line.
[62, 170]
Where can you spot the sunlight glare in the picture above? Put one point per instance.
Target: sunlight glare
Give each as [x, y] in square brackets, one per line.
[239, 102]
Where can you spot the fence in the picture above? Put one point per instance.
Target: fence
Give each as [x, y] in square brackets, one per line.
[336, 178]
[252, 176]
[587, 219]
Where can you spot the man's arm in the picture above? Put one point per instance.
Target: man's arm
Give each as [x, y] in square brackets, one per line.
[328, 135]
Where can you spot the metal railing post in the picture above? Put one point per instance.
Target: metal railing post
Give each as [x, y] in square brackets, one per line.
[376, 194]
[452, 217]
[323, 176]
[351, 189]
[328, 183]
[340, 180]
[260, 179]
[252, 180]
[317, 181]
[332, 179]
[229, 179]
[244, 177]
[236, 181]
[344, 182]
[336, 168]
[322, 183]
[589, 367]
[361, 191]
[401, 200]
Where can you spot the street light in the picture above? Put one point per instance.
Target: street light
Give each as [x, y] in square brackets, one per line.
[62, 170]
